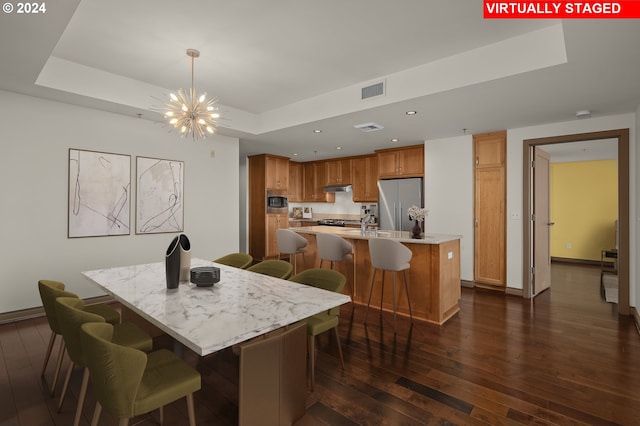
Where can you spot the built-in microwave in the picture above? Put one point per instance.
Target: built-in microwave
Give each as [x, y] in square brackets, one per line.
[277, 201]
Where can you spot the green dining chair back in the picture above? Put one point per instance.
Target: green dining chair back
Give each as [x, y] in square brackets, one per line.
[237, 260]
[274, 267]
[330, 280]
[49, 291]
[128, 382]
[72, 316]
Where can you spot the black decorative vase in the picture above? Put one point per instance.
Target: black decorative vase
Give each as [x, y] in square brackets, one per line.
[172, 263]
[185, 258]
[416, 231]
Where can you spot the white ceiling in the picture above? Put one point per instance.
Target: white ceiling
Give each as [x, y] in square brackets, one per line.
[282, 68]
[601, 149]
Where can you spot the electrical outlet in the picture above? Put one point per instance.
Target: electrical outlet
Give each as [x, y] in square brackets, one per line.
[515, 215]
[568, 245]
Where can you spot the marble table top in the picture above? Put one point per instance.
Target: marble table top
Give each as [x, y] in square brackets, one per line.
[356, 234]
[242, 305]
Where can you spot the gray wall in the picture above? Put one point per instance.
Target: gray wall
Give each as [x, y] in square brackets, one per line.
[35, 137]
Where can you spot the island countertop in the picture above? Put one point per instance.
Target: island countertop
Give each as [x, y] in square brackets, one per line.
[356, 234]
[434, 273]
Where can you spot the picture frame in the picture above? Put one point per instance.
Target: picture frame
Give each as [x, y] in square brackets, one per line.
[99, 194]
[159, 195]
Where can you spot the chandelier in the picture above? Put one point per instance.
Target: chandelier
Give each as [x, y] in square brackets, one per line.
[193, 115]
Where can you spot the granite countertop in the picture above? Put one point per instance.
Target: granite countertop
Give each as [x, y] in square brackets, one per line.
[356, 234]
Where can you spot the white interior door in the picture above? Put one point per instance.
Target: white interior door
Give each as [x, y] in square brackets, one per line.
[541, 222]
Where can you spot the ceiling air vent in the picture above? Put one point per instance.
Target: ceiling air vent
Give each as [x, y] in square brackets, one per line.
[373, 90]
[369, 127]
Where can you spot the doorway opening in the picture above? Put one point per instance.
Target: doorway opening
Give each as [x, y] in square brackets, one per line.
[622, 135]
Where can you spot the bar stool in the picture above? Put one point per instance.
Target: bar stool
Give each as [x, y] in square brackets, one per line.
[389, 255]
[291, 243]
[334, 249]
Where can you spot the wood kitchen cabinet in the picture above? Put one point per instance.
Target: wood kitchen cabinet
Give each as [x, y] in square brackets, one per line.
[338, 172]
[365, 178]
[314, 178]
[277, 172]
[273, 223]
[295, 182]
[265, 172]
[401, 162]
[490, 200]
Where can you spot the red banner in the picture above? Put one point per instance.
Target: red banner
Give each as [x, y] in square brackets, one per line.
[627, 9]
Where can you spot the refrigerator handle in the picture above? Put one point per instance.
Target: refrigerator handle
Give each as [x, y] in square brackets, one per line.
[395, 216]
[400, 218]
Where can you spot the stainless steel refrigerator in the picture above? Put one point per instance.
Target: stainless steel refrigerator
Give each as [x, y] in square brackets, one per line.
[395, 196]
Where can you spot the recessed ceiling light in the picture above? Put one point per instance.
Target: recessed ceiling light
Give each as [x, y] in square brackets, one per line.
[395, 140]
[338, 147]
[317, 131]
[295, 154]
[411, 112]
[585, 113]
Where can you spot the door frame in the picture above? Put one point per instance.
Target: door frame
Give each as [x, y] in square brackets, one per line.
[622, 135]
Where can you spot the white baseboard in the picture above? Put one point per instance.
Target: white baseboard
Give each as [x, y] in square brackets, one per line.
[29, 313]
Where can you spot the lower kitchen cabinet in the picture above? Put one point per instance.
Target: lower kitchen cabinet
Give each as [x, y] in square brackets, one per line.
[273, 223]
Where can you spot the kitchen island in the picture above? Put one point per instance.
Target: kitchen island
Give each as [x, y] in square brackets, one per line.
[434, 277]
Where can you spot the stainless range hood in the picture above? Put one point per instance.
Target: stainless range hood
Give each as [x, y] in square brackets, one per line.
[337, 188]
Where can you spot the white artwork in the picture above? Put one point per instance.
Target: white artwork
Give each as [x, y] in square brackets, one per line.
[159, 203]
[99, 194]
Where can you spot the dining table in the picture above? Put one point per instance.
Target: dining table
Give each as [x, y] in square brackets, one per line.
[244, 309]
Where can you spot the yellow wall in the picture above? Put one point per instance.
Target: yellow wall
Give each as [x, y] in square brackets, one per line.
[584, 207]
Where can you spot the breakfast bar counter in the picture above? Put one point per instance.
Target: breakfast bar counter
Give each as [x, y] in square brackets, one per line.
[434, 277]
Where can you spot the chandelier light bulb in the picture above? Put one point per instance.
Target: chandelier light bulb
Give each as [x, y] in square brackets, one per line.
[190, 113]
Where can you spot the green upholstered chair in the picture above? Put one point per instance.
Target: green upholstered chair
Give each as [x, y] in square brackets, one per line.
[49, 292]
[237, 260]
[128, 382]
[326, 279]
[274, 268]
[72, 315]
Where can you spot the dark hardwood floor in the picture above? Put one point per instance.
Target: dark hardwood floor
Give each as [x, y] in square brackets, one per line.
[565, 358]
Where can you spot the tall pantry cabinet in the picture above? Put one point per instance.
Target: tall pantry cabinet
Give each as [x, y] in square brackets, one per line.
[490, 199]
[266, 172]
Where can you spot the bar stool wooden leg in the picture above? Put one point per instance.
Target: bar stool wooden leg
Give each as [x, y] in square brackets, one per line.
[373, 278]
[394, 302]
[406, 287]
[382, 292]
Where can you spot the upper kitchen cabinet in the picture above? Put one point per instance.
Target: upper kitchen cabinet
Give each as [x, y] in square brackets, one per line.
[365, 178]
[401, 162]
[338, 172]
[295, 182]
[314, 179]
[277, 172]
